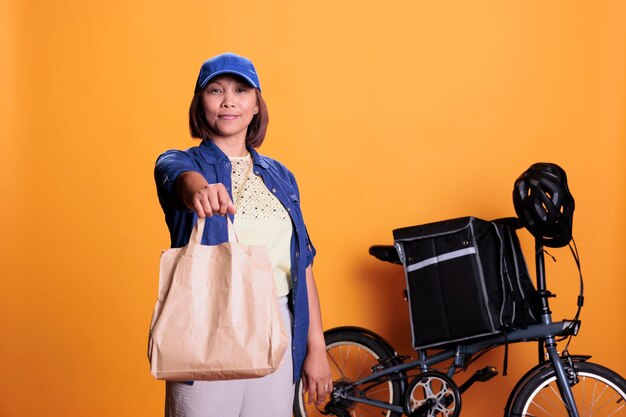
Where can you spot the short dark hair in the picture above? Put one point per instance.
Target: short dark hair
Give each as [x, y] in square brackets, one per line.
[199, 128]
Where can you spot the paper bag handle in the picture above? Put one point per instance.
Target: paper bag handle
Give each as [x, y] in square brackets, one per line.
[198, 229]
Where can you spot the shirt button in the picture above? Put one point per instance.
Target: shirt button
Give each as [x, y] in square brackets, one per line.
[227, 164]
[288, 208]
[256, 172]
[274, 190]
[295, 278]
[297, 254]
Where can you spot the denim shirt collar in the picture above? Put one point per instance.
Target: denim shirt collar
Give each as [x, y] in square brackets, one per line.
[212, 154]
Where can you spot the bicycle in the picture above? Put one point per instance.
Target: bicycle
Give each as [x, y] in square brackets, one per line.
[370, 378]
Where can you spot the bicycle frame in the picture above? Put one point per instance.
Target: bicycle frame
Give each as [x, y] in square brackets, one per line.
[550, 342]
[544, 332]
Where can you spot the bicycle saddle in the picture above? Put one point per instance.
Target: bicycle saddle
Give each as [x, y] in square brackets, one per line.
[385, 253]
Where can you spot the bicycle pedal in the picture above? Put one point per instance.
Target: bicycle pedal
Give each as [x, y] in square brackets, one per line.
[482, 375]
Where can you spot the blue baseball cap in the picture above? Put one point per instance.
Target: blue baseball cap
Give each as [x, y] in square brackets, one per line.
[227, 63]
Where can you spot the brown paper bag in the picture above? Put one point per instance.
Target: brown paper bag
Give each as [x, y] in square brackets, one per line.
[217, 315]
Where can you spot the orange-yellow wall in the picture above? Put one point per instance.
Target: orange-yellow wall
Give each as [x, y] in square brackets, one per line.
[390, 114]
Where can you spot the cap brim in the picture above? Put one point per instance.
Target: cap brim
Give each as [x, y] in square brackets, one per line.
[215, 74]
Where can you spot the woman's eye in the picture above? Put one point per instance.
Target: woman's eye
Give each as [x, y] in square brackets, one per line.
[242, 90]
[215, 90]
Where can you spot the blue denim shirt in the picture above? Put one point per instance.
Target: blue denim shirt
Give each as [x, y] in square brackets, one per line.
[210, 161]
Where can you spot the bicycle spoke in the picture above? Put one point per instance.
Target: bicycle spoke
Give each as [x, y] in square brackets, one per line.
[606, 404]
[559, 399]
[613, 413]
[549, 402]
[615, 398]
[336, 364]
[582, 404]
[539, 407]
[346, 357]
[594, 399]
[359, 373]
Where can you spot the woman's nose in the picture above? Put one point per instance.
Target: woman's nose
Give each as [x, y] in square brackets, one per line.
[228, 100]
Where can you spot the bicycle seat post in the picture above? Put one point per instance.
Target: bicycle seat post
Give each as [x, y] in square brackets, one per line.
[546, 314]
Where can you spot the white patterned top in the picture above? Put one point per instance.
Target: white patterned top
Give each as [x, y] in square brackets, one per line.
[261, 219]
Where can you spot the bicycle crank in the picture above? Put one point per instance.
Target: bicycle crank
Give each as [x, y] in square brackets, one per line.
[432, 394]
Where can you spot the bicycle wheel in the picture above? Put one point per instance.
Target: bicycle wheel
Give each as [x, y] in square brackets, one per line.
[599, 392]
[351, 355]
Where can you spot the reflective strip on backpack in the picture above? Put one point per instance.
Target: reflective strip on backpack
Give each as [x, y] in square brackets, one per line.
[445, 257]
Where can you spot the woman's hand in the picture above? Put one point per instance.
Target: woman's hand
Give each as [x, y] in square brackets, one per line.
[316, 376]
[204, 198]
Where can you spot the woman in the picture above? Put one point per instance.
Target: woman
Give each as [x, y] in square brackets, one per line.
[225, 176]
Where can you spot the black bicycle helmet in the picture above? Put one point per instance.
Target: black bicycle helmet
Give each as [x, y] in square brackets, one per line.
[544, 204]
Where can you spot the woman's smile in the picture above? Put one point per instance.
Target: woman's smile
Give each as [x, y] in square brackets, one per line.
[229, 116]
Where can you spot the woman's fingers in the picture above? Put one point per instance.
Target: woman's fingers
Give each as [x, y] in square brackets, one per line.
[311, 391]
[323, 390]
[321, 394]
[212, 199]
[199, 208]
[225, 204]
[317, 390]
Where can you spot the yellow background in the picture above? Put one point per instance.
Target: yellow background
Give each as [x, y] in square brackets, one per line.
[390, 114]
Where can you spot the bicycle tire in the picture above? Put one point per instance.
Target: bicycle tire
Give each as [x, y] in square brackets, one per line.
[351, 355]
[599, 392]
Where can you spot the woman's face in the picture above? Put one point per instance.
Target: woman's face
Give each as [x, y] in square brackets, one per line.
[229, 105]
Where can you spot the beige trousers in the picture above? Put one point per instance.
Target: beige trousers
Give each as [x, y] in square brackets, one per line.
[269, 396]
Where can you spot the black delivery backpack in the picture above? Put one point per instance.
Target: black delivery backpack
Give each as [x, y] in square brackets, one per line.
[466, 278]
